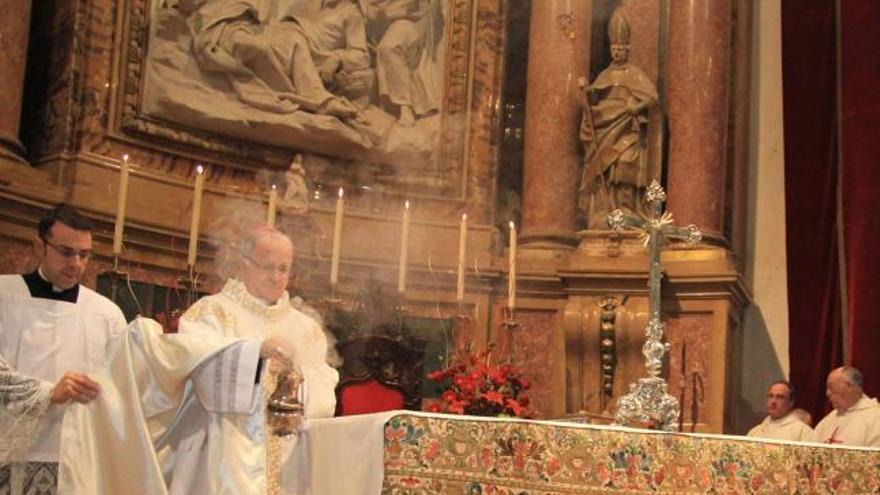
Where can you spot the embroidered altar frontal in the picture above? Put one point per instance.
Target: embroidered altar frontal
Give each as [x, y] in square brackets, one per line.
[431, 454]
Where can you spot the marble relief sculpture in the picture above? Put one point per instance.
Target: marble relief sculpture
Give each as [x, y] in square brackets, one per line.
[273, 67]
[407, 59]
[614, 132]
[344, 78]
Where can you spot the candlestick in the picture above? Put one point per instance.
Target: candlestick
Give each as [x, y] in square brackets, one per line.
[404, 250]
[196, 215]
[511, 263]
[462, 252]
[337, 240]
[273, 200]
[121, 201]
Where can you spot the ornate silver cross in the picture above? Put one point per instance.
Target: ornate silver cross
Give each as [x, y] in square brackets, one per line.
[648, 400]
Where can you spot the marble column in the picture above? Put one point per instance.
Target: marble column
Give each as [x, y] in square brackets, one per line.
[13, 47]
[559, 53]
[697, 100]
[740, 117]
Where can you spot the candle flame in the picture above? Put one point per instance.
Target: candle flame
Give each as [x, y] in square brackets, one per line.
[273, 187]
[512, 226]
[125, 157]
[199, 168]
[340, 192]
[406, 205]
[464, 217]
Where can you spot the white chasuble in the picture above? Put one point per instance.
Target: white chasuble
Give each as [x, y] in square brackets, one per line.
[788, 427]
[859, 426]
[40, 340]
[228, 438]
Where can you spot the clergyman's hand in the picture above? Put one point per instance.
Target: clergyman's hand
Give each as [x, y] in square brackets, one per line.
[276, 348]
[75, 386]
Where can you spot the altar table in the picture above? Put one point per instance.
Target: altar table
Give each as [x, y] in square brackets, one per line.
[406, 452]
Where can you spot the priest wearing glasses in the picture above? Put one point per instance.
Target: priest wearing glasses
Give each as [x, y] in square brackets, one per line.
[54, 333]
[227, 425]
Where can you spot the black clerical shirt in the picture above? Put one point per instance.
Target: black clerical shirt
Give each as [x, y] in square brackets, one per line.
[43, 289]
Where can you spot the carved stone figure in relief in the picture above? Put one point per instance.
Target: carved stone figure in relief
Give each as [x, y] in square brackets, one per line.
[614, 132]
[335, 31]
[269, 65]
[407, 58]
[357, 80]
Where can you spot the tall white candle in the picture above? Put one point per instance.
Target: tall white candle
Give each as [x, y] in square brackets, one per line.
[121, 201]
[196, 216]
[462, 254]
[511, 281]
[273, 201]
[404, 250]
[337, 239]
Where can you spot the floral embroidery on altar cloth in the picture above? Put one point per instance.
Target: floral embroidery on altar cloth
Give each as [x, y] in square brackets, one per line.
[428, 455]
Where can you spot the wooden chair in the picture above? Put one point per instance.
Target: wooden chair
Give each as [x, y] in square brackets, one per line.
[379, 373]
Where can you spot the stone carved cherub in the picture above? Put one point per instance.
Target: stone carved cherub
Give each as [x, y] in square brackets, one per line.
[296, 193]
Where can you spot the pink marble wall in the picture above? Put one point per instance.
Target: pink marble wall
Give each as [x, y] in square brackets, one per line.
[692, 333]
[533, 348]
[16, 256]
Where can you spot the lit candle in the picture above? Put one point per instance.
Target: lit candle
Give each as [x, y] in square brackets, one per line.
[462, 251]
[511, 281]
[121, 201]
[196, 215]
[273, 200]
[404, 248]
[337, 240]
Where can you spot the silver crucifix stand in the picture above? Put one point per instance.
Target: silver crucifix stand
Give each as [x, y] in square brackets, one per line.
[648, 400]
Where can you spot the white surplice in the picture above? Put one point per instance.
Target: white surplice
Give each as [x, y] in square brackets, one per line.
[859, 426]
[40, 340]
[198, 392]
[788, 427]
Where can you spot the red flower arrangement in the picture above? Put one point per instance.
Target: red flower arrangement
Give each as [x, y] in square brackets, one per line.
[474, 387]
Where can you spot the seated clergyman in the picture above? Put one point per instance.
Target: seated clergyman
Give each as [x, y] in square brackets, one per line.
[855, 419]
[781, 423]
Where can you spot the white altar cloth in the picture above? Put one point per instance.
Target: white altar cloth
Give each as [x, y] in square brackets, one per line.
[339, 456]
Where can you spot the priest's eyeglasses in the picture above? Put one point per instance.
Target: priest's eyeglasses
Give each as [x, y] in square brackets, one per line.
[69, 253]
[268, 267]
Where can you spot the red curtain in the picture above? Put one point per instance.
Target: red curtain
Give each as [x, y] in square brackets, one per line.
[809, 106]
[816, 211]
[860, 141]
